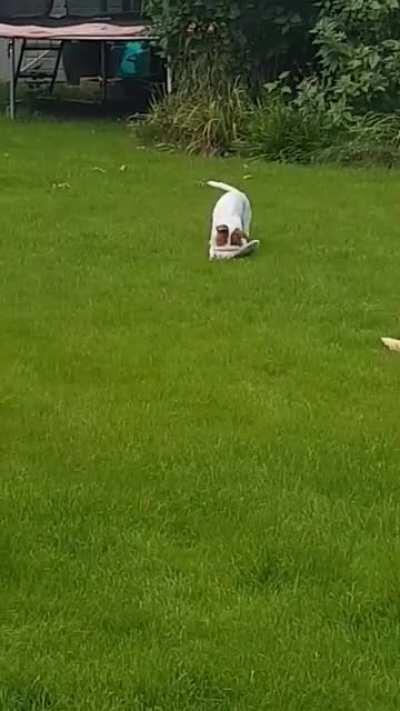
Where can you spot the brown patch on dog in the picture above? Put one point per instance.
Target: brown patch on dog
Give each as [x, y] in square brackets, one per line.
[222, 236]
[238, 238]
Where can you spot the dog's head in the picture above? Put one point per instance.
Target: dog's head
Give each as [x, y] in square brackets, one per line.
[236, 237]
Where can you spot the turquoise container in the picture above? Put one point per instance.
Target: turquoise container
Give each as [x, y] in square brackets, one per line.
[135, 61]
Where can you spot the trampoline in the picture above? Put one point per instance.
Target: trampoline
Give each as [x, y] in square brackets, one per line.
[101, 21]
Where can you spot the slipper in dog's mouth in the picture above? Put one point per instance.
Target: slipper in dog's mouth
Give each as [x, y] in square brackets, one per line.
[234, 252]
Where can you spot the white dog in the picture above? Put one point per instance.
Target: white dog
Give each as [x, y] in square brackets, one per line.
[231, 222]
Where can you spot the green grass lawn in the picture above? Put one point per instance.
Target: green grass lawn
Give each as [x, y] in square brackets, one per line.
[200, 464]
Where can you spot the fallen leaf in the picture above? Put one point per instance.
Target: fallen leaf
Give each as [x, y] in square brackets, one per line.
[61, 186]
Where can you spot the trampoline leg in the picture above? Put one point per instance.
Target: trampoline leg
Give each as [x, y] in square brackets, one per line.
[104, 70]
[169, 75]
[56, 67]
[11, 61]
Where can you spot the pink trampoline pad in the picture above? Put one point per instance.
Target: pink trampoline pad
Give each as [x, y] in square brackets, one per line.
[64, 30]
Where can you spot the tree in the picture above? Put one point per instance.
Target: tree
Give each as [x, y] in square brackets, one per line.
[254, 39]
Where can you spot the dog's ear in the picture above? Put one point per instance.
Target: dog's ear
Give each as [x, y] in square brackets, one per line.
[237, 238]
[222, 235]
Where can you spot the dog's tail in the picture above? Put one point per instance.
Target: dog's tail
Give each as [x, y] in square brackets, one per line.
[222, 186]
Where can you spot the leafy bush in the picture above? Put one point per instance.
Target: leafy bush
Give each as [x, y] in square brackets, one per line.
[256, 38]
[202, 116]
[368, 140]
[282, 131]
[329, 109]
[285, 125]
[277, 128]
[358, 53]
[278, 131]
